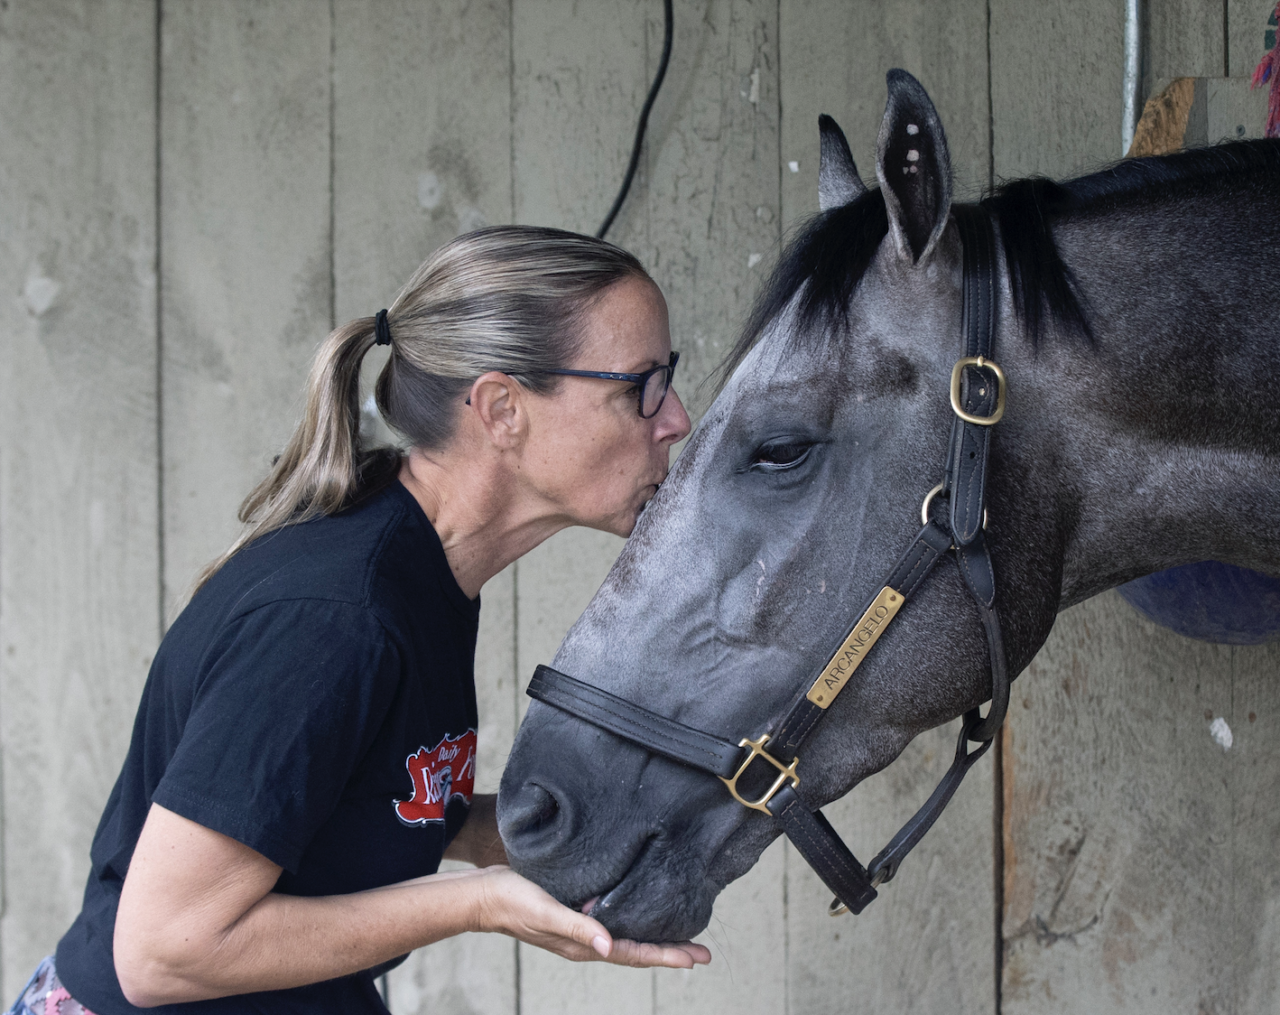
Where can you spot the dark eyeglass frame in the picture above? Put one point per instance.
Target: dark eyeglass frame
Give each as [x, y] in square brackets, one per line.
[640, 380]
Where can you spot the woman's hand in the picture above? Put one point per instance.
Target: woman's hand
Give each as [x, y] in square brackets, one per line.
[513, 905]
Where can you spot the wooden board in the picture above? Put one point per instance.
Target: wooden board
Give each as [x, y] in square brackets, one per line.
[246, 267]
[1140, 855]
[713, 203]
[419, 158]
[714, 219]
[1185, 38]
[1246, 35]
[704, 201]
[1233, 110]
[1057, 70]
[79, 556]
[928, 942]
[834, 60]
[579, 77]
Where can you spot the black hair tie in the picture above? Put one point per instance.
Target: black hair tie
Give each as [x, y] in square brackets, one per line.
[381, 330]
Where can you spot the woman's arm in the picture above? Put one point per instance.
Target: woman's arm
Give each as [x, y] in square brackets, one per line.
[478, 841]
[198, 919]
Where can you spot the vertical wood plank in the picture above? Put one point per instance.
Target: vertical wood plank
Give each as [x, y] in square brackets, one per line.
[422, 137]
[714, 223]
[1140, 863]
[928, 943]
[704, 202]
[1233, 110]
[79, 559]
[834, 60]
[246, 238]
[1057, 69]
[1253, 907]
[714, 219]
[422, 152]
[579, 79]
[1186, 38]
[1246, 34]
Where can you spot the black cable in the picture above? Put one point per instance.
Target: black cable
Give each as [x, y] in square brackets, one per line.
[644, 120]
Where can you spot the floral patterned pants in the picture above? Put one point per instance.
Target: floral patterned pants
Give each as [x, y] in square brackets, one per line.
[44, 994]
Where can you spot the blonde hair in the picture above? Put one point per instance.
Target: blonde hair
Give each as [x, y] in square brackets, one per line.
[507, 298]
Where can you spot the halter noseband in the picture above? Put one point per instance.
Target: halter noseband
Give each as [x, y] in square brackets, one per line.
[977, 399]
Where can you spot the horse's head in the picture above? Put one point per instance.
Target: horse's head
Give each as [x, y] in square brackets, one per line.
[799, 490]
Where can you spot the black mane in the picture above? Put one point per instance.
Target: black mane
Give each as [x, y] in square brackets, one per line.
[833, 250]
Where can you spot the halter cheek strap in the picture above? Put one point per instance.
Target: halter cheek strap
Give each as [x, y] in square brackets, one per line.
[977, 400]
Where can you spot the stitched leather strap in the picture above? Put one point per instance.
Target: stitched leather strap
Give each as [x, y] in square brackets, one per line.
[886, 862]
[638, 725]
[970, 442]
[816, 841]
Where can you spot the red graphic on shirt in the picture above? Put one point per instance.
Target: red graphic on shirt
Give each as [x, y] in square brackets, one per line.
[446, 771]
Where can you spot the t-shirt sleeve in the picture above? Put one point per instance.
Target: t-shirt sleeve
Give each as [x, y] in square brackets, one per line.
[287, 703]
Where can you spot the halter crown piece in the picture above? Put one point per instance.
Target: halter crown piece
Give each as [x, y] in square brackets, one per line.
[381, 330]
[977, 401]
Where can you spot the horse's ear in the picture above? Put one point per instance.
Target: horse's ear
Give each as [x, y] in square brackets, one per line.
[838, 180]
[914, 168]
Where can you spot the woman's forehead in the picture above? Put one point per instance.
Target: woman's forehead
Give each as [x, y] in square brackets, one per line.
[629, 319]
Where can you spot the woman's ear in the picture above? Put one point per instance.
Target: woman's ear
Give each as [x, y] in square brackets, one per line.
[498, 402]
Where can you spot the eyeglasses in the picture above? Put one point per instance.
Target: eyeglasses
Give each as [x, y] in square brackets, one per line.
[651, 386]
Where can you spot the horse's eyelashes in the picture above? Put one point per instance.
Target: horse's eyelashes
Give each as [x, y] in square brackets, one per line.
[781, 455]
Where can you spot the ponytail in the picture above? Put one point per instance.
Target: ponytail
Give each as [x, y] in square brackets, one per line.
[507, 298]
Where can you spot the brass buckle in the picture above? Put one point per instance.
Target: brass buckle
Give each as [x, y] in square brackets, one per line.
[981, 364]
[785, 772]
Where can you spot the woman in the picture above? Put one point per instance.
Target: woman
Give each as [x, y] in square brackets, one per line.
[304, 753]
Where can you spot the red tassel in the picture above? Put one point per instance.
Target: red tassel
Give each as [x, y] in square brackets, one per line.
[1268, 70]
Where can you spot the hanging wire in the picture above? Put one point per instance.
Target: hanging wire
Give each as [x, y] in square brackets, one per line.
[644, 121]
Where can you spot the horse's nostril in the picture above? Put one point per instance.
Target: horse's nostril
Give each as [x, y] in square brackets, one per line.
[523, 820]
[542, 808]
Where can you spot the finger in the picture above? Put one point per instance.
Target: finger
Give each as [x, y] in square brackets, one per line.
[585, 930]
[700, 954]
[678, 955]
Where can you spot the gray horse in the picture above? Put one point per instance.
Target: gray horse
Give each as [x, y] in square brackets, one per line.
[1140, 335]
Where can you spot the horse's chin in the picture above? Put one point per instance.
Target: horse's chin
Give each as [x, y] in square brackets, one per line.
[668, 896]
[644, 909]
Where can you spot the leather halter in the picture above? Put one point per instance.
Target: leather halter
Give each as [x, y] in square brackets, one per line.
[977, 399]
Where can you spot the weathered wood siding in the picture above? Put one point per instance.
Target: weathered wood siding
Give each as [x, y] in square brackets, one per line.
[194, 193]
[79, 525]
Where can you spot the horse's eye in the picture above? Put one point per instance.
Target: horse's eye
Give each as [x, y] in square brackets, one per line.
[777, 455]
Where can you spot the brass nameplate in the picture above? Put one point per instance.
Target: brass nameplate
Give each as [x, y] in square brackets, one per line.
[855, 648]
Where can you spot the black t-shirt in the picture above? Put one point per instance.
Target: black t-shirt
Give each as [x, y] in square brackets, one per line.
[314, 701]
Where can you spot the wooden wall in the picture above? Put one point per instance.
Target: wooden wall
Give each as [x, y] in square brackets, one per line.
[193, 193]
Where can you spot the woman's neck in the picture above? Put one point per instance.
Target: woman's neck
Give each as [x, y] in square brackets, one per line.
[479, 512]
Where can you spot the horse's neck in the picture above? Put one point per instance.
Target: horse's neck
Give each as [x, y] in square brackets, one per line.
[1169, 427]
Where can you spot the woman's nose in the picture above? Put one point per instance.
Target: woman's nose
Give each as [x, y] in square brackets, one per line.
[673, 421]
